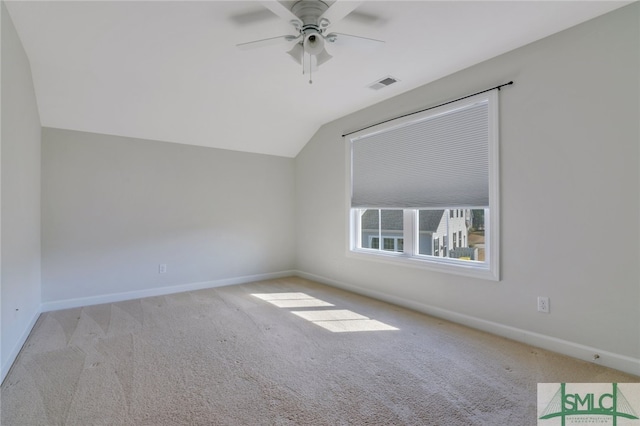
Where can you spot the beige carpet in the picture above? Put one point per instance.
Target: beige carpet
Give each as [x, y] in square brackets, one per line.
[227, 357]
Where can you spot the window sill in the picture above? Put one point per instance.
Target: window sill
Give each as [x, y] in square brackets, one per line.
[445, 266]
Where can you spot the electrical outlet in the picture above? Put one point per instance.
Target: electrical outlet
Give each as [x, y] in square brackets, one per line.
[543, 304]
[162, 268]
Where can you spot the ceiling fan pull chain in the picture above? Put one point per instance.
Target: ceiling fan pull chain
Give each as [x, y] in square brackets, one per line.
[310, 70]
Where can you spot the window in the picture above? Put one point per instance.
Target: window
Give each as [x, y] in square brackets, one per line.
[380, 224]
[424, 189]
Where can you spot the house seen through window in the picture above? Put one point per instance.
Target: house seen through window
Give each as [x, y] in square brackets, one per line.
[437, 231]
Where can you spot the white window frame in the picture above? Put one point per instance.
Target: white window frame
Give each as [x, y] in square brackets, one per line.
[488, 270]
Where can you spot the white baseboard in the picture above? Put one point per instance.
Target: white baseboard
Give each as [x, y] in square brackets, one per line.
[18, 346]
[158, 291]
[608, 359]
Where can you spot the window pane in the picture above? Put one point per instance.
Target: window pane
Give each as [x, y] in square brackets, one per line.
[432, 228]
[370, 228]
[391, 228]
[458, 230]
[453, 233]
[376, 224]
[476, 233]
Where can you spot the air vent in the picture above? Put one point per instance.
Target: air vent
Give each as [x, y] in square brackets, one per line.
[384, 82]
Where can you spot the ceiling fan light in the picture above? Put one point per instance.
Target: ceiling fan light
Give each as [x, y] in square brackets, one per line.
[323, 57]
[313, 43]
[296, 53]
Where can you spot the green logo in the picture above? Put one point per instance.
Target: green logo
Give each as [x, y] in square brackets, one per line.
[566, 404]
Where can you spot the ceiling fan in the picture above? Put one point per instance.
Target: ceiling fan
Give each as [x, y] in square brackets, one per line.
[311, 19]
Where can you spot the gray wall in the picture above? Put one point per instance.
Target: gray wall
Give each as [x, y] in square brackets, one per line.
[114, 208]
[569, 165]
[20, 195]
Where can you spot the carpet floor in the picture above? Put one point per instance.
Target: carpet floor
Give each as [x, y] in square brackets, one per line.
[278, 352]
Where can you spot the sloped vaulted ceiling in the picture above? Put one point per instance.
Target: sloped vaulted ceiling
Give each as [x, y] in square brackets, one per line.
[170, 71]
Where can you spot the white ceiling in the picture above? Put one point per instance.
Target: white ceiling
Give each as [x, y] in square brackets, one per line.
[170, 71]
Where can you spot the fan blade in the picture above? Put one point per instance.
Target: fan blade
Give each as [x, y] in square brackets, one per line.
[351, 40]
[252, 17]
[280, 10]
[339, 10]
[365, 18]
[272, 41]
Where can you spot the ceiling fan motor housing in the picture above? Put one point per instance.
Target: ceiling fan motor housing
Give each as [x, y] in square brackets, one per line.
[309, 12]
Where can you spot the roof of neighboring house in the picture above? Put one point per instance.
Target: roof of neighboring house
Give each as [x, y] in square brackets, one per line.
[429, 220]
[392, 220]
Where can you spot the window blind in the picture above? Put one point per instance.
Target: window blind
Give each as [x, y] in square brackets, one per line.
[441, 160]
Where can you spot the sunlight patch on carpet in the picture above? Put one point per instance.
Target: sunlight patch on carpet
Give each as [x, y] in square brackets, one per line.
[342, 320]
[291, 300]
[330, 315]
[334, 320]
